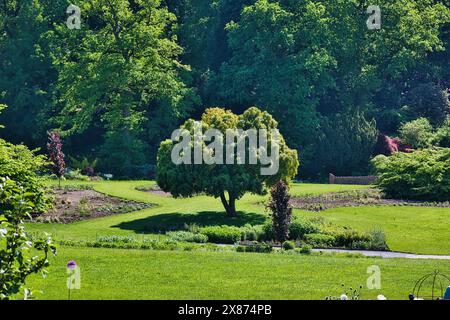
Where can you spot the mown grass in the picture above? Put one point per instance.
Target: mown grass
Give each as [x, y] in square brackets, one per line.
[423, 230]
[167, 212]
[143, 274]
[302, 189]
[135, 274]
[409, 229]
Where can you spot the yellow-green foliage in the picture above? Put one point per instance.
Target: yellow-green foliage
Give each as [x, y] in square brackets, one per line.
[421, 175]
[21, 165]
[216, 180]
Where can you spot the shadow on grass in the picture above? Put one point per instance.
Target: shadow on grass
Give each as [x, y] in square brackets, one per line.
[177, 220]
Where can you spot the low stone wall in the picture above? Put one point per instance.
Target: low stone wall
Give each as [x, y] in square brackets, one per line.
[359, 180]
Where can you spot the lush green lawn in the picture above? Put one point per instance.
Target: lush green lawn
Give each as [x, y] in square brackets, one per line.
[166, 210]
[299, 189]
[408, 229]
[134, 274]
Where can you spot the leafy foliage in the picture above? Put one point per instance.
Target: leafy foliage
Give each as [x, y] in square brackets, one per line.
[185, 236]
[120, 242]
[388, 146]
[120, 72]
[299, 228]
[292, 59]
[26, 70]
[319, 240]
[429, 101]
[255, 247]
[288, 245]
[137, 68]
[21, 165]
[126, 59]
[122, 154]
[222, 234]
[442, 136]
[85, 166]
[56, 155]
[281, 211]
[267, 62]
[421, 175]
[350, 238]
[417, 133]
[18, 258]
[2, 106]
[344, 145]
[218, 179]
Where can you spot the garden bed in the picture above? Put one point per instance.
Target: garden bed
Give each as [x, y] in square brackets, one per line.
[156, 190]
[370, 197]
[70, 205]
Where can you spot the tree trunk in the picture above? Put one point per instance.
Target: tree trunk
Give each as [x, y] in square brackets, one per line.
[230, 205]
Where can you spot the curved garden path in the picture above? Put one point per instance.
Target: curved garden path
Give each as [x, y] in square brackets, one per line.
[386, 254]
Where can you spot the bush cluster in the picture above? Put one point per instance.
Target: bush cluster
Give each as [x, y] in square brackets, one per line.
[302, 227]
[186, 236]
[319, 240]
[297, 230]
[255, 247]
[318, 233]
[116, 239]
[119, 242]
[421, 175]
[22, 165]
[222, 234]
[348, 238]
[288, 245]
[251, 233]
[305, 249]
[21, 254]
[75, 175]
[417, 133]
[313, 232]
[420, 134]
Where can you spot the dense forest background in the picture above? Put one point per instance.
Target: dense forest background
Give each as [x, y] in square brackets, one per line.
[138, 68]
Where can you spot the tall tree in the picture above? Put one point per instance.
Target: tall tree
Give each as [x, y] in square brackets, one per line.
[222, 179]
[117, 70]
[56, 154]
[268, 69]
[299, 59]
[26, 73]
[281, 210]
[202, 33]
[344, 144]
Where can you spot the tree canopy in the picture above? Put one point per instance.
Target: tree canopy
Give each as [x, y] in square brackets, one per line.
[219, 179]
[137, 69]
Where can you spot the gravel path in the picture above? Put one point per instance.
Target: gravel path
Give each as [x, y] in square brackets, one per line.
[386, 254]
[381, 254]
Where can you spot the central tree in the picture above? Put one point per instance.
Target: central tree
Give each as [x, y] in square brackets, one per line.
[229, 182]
